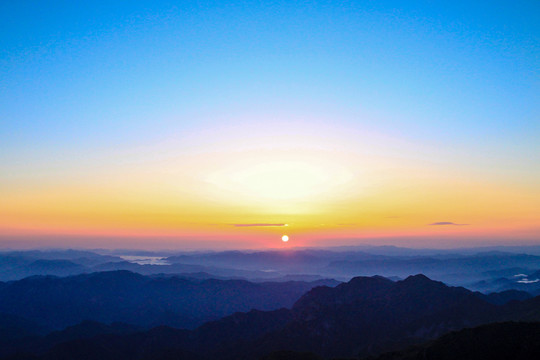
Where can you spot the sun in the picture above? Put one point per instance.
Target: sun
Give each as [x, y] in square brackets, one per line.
[284, 238]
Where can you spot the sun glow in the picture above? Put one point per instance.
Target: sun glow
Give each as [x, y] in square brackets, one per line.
[284, 238]
[281, 180]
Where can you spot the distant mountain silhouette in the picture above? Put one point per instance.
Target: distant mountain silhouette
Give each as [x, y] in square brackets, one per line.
[16, 265]
[449, 268]
[366, 316]
[180, 269]
[287, 260]
[52, 267]
[503, 297]
[123, 296]
[530, 284]
[485, 271]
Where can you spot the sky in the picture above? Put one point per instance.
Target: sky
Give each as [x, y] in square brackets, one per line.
[227, 124]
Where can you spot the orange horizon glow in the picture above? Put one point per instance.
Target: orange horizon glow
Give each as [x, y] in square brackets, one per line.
[404, 204]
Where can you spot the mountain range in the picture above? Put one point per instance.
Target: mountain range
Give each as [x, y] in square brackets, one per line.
[123, 296]
[486, 271]
[366, 316]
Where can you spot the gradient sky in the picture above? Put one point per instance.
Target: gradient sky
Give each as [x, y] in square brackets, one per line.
[197, 124]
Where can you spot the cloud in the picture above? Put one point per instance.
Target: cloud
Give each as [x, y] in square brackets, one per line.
[527, 281]
[447, 223]
[259, 225]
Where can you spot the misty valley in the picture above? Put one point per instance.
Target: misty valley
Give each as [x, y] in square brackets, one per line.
[353, 303]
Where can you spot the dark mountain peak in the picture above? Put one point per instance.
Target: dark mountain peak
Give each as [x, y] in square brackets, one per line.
[422, 282]
[361, 281]
[362, 286]
[421, 287]
[358, 288]
[418, 279]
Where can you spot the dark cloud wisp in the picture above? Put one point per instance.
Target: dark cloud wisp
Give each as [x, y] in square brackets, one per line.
[259, 225]
[447, 223]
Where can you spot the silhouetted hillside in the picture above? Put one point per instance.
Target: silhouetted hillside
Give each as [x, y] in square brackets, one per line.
[499, 341]
[367, 315]
[122, 296]
[364, 316]
[15, 327]
[29, 341]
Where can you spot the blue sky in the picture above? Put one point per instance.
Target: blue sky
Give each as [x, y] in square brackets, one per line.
[83, 80]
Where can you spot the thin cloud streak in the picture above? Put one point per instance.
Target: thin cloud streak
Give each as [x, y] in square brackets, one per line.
[447, 223]
[259, 225]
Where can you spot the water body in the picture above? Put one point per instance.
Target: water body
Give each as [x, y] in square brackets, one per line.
[146, 260]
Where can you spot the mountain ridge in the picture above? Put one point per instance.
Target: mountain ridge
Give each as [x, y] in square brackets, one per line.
[366, 316]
